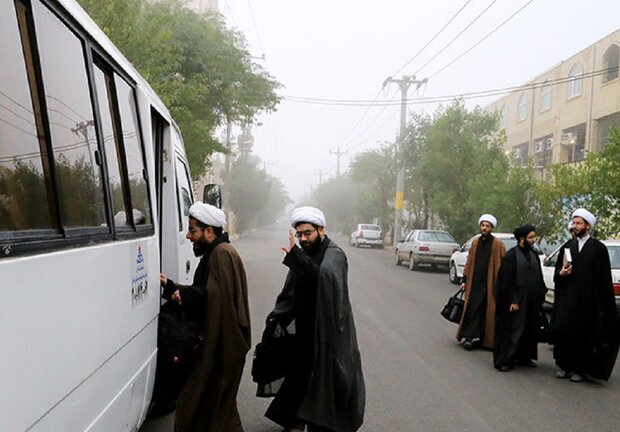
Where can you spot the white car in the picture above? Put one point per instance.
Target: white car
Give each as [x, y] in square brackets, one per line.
[425, 247]
[548, 269]
[459, 258]
[366, 234]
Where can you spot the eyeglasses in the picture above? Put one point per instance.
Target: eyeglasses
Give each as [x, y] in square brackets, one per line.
[307, 233]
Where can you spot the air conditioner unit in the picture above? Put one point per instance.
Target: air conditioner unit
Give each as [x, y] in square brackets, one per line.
[548, 143]
[540, 146]
[569, 138]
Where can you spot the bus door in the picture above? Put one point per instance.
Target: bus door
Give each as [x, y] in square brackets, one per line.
[187, 260]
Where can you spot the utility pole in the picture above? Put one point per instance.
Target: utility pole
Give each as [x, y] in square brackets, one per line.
[338, 153]
[403, 84]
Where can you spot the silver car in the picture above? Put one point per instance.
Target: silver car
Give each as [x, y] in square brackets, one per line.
[366, 234]
[426, 247]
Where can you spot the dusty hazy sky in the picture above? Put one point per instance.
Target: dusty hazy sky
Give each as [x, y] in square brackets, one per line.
[344, 49]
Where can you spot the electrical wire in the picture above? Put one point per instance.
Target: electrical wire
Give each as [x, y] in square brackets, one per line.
[433, 38]
[447, 98]
[482, 40]
[456, 37]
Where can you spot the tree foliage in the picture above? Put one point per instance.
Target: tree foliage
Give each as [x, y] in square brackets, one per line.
[256, 198]
[201, 69]
[456, 170]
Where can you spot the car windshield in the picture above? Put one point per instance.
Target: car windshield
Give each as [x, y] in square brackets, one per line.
[509, 242]
[371, 227]
[614, 256]
[441, 237]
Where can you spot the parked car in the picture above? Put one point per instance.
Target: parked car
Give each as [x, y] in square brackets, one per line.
[548, 269]
[425, 247]
[367, 234]
[459, 258]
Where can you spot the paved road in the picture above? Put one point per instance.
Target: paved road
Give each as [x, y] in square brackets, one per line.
[417, 377]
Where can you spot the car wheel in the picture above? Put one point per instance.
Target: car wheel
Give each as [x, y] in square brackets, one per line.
[412, 264]
[398, 260]
[454, 278]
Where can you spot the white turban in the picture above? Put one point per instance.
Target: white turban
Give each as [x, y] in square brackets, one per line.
[208, 214]
[488, 218]
[586, 215]
[311, 215]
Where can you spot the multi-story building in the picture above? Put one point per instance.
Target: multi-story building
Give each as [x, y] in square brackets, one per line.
[565, 112]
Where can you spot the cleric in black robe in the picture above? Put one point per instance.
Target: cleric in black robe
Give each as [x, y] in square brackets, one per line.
[519, 295]
[584, 319]
[324, 389]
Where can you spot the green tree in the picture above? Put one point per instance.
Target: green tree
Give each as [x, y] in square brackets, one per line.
[201, 69]
[255, 197]
[461, 150]
[374, 172]
[416, 186]
[337, 198]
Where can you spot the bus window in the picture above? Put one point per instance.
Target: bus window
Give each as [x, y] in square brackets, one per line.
[26, 199]
[133, 151]
[71, 121]
[185, 197]
[103, 83]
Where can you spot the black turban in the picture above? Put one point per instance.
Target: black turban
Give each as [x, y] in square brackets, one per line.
[523, 231]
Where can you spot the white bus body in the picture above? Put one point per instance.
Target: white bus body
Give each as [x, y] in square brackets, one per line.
[80, 279]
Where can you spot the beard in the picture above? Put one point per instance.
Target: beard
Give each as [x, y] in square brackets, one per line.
[310, 245]
[200, 248]
[579, 233]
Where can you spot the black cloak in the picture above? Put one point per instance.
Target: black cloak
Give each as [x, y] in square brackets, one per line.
[335, 395]
[516, 332]
[584, 319]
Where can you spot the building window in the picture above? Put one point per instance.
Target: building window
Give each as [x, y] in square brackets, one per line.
[574, 86]
[545, 97]
[611, 61]
[522, 107]
[503, 116]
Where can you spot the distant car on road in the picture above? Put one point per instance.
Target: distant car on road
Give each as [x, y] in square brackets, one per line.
[425, 247]
[459, 258]
[366, 234]
[548, 269]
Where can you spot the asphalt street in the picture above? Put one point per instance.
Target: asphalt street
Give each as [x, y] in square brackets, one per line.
[417, 377]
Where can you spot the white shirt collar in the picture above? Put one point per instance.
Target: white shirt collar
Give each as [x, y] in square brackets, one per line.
[582, 240]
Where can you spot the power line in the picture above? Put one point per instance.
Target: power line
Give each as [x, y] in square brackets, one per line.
[456, 37]
[260, 43]
[433, 38]
[395, 73]
[483, 39]
[447, 98]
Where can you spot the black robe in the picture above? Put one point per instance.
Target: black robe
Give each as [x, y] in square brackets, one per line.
[519, 281]
[326, 387]
[475, 314]
[584, 319]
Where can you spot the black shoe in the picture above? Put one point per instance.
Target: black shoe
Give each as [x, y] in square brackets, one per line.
[562, 374]
[505, 368]
[468, 344]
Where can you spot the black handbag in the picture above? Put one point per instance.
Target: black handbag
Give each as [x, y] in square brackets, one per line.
[453, 310]
[272, 356]
[178, 343]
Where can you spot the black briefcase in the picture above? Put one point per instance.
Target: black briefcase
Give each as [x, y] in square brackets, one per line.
[453, 310]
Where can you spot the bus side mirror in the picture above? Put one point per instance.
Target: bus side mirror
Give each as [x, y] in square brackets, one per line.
[212, 194]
